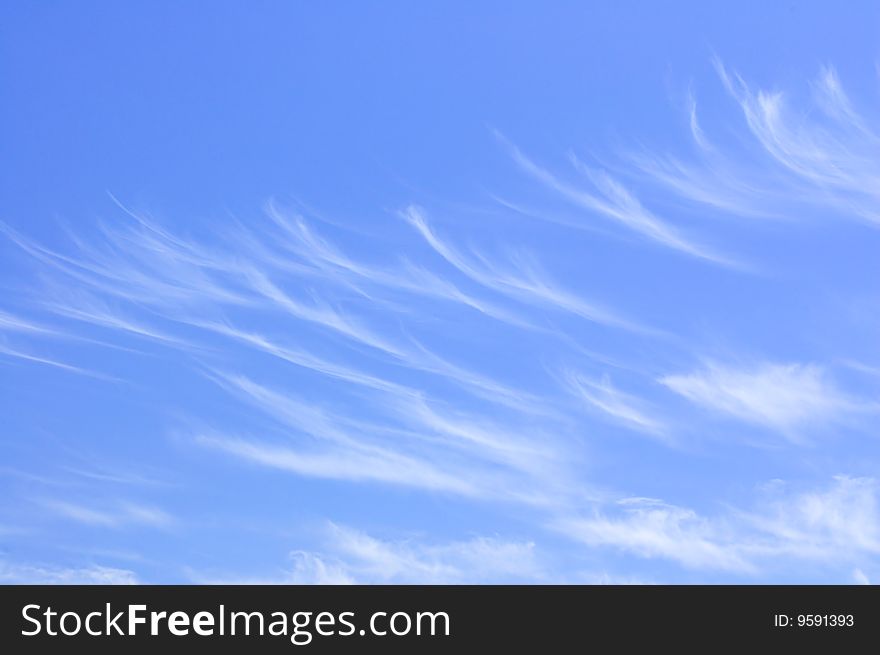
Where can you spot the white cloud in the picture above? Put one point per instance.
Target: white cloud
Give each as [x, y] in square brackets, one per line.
[817, 152]
[12, 323]
[613, 200]
[48, 361]
[17, 573]
[414, 442]
[441, 412]
[114, 515]
[841, 521]
[859, 577]
[832, 528]
[350, 556]
[838, 155]
[309, 568]
[85, 308]
[650, 528]
[357, 465]
[522, 281]
[324, 256]
[783, 397]
[362, 558]
[618, 406]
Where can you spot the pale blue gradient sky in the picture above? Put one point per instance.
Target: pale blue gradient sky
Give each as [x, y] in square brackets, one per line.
[439, 292]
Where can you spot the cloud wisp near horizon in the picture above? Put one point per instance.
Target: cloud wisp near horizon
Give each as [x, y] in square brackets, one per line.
[630, 364]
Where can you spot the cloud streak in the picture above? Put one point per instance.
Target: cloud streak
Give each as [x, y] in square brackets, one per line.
[788, 398]
[20, 573]
[612, 200]
[802, 154]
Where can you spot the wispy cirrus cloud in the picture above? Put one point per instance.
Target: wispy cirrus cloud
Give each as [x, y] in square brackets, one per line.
[801, 154]
[403, 357]
[839, 155]
[417, 443]
[611, 199]
[183, 295]
[12, 572]
[521, 280]
[408, 561]
[351, 556]
[110, 515]
[88, 309]
[17, 353]
[787, 398]
[195, 285]
[12, 323]
[834, 526]
[351, 465]
[652, 529]
[841, 519]
[407, 277]
[15, 330]
[617, 405]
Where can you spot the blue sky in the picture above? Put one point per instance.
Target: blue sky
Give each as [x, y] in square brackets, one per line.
[439, 292]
